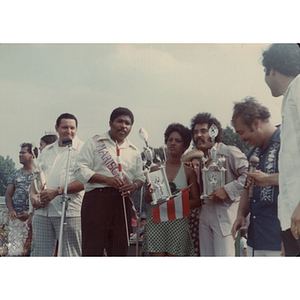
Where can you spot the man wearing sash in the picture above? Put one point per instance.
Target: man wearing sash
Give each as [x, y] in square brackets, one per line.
[102, 213]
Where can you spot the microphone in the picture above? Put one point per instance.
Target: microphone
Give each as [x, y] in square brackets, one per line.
[254, 161]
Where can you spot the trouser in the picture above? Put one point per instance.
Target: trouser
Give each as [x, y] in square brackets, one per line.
[269, 253]
[46, 233]
[17, 234]
[103, 223]
[212, 241]
[290, 244]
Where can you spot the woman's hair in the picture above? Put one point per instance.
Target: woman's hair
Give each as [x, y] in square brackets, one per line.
[184, 132]
[49, 138]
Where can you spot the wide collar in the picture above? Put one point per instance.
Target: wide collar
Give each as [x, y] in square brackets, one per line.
[126, 144]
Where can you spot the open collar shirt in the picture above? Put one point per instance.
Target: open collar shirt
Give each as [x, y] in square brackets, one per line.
[89, 162]
[264, 219]
[289, 155]
[53, 161]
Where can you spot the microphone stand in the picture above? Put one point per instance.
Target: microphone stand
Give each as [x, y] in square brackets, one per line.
[254, 161]
[68, 142]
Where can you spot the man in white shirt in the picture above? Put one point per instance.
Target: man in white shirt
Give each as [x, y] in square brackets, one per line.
[102, 213]
[282, 69]
[47, 217]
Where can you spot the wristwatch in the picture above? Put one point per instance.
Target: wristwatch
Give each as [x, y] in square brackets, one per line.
[59, 190]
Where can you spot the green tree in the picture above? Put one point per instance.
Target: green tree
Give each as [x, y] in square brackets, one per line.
[7, 166]
[230, 137]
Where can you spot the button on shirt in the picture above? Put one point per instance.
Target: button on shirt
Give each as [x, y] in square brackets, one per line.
[264, 207]
[89, 162]
[289, 156]
[53, 161]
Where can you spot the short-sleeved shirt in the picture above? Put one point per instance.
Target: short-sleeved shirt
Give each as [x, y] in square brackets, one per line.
[264, 208]
[22, 182]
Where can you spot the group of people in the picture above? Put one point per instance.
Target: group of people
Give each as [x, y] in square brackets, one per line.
[107, 169]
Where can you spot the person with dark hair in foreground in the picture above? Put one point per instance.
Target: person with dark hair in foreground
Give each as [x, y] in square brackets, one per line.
[173, 237]
[282, 74]
[251, 122]
[103, 212]
[219, 212]
[48, 205]
[17, 201]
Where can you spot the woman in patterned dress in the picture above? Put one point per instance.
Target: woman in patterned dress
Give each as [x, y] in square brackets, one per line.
[192, 160]
[173, 238]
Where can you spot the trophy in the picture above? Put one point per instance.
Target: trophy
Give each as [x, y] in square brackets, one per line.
[213, 175]
[158, 177]
[39, 177]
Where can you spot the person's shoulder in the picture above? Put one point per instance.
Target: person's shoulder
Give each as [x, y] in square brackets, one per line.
[228, 149]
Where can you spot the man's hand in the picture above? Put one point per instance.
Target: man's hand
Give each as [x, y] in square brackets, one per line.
[13, 215]
[261, 179]
[128, 189]
[48, 195]
[238, 223]
[295, 222]
[23, 216]
[219, 195]
[115, 182]
[35, 200]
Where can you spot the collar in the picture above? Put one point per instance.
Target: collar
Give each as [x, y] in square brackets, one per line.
[126, 144]
[75, 143]
[276, 135]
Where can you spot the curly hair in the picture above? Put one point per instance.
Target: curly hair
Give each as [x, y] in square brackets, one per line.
[283, 58]
[207, 118]
[249, 110]
[184, 132]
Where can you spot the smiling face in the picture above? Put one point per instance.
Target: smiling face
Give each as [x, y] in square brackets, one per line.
[120, 128]
[201, 137]
[249, 135]
[175, 144]
[66, 129]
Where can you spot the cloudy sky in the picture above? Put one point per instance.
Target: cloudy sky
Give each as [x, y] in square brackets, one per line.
[160, 83]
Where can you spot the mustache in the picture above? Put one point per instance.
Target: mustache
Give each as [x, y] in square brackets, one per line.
[124, 130]
[199, 139]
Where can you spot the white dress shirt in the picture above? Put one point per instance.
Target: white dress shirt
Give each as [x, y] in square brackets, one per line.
[53, 162]
[89, 162]
[289, 155]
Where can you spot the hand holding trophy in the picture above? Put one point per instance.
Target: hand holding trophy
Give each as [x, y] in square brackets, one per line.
[157, 177]
[214, 175]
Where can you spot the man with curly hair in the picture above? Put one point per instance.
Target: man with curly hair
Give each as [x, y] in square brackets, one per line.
[219, 212]
[282, 68]
[251, 122]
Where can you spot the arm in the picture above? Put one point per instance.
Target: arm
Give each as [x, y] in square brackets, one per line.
[237, 166]
[194, 189]
[295, 222]
[262, 179]
[9, 201]
[48, 195]
[242, 213]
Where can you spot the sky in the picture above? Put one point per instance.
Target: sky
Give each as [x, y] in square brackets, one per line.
[161, 83]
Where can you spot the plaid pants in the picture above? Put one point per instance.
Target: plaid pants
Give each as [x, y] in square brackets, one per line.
[46, 233]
